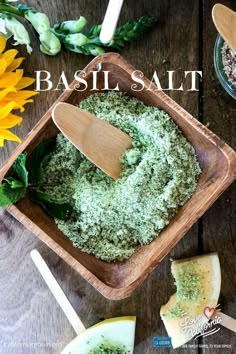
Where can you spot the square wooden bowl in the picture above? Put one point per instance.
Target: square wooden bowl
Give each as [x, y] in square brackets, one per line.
[218, 162]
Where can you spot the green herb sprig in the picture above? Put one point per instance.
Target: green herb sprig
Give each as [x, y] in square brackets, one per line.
[12, 190]
[28, 176]
[71, 34]
[89, 42]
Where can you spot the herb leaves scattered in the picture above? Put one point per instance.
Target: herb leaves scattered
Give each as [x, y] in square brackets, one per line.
[19, 169]
[12, 190]
[13, 182]
[29, 174]
[9, 195]
[61, 211]
[36, 159]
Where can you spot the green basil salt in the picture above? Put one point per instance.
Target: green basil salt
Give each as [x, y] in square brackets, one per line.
[108, 349]
[188, 282]
[159, 175]
[175, 311]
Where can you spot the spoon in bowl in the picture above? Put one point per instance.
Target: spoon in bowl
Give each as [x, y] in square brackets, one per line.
[99, 141]
[225, 22]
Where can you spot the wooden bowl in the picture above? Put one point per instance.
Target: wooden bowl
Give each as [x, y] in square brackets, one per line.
[218, 162]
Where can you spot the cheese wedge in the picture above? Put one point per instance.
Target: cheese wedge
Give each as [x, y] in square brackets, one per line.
[198, 282]
[115, 333]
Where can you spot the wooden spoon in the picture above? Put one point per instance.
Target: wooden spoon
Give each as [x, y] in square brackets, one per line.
[98, 140]
[225, 22]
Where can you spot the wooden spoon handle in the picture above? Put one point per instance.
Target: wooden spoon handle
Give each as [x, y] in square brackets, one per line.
[57, 292]
[110, 20]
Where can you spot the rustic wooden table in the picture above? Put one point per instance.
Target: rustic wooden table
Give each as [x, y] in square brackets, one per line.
[30, 319]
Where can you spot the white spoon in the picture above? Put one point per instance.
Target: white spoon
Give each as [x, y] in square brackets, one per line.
[57, 292]
[110, 20]
[74, 345]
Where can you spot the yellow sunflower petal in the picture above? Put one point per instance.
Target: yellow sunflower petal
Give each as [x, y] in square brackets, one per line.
[11, 79]
[7, 135]
[10, 121]
[11, 96]
[24, 82]
[3, 66]
[5, 92]
[9, 56]
[18, 120]
[15, 64]
[17, 105]
[20, 95]
[21, 103]
[6, 109]
[2, 44]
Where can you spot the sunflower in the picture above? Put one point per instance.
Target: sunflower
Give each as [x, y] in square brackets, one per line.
[12, 95]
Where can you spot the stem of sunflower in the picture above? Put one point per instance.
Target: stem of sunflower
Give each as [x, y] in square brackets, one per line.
[11, 10]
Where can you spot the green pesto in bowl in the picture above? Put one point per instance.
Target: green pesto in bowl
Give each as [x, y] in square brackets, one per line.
[159, 174]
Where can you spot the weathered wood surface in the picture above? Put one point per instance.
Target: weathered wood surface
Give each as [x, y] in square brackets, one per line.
[219, 223]
[30, 320]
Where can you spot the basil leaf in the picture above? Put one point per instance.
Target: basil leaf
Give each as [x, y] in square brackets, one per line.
[61, 211]
[19, 169]
[9, 196]
[35, 160]
[13, 183]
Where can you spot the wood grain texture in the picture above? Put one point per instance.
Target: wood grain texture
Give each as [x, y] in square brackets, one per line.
[219, 223]
[30, 320]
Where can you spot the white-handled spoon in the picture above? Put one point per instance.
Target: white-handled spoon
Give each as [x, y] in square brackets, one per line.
[110, 20]
[110, 327]
[57, 292]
